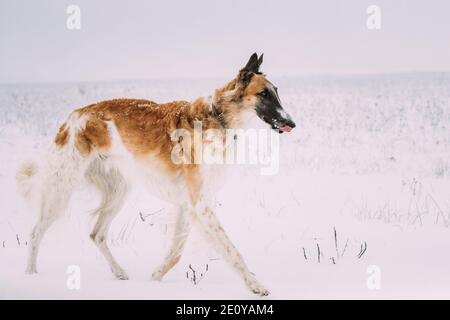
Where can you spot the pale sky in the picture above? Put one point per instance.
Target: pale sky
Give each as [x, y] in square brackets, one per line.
[206, 38]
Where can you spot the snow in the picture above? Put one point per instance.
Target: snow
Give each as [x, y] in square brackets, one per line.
[367, 165]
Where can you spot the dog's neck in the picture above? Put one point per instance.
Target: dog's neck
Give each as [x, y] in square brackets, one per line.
[224, 104]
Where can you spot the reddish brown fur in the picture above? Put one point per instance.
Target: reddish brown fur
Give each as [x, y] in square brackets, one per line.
[94, 135]
[62, 136]
[241, 99]
[145, 126]
[97, 132]
[256, 85]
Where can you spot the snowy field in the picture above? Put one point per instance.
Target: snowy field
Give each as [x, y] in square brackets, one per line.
[360, 207]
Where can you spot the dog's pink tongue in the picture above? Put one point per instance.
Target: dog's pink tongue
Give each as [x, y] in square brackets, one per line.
[286, 129]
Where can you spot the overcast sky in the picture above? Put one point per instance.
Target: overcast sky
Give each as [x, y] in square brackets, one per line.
[207, 38]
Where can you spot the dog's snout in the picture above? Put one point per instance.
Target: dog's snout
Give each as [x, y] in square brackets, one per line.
[287, 124]
[287, 120]
[290, 123]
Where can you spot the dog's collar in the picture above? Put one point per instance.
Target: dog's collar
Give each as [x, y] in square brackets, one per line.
[221, 117]
[218, 115]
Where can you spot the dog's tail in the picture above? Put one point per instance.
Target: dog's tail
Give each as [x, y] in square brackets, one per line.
[26, 177]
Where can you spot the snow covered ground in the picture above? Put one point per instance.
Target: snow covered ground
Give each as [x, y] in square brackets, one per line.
[359, 209]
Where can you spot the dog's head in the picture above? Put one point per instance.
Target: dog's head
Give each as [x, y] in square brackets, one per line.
[252, 91]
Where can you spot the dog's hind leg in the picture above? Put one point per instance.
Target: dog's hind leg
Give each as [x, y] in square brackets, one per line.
[52, 207]
[113, 189]
[179, 237]
[57, 181]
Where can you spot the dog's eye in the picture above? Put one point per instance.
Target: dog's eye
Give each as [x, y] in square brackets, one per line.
[264, 93]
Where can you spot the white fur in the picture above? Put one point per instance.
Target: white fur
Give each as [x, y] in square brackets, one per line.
[112, 172]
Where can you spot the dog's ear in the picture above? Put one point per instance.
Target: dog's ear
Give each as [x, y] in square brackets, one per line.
[260, 60]
[253, 63]
[252, 67]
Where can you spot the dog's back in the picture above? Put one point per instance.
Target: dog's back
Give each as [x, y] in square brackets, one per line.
[108, 142]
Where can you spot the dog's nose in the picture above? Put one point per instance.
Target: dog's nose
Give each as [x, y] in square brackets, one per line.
[290, 123]
[287, 120]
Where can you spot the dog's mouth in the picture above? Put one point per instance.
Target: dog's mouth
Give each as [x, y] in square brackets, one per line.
[285, 128]
[282, 125]
[276, 118]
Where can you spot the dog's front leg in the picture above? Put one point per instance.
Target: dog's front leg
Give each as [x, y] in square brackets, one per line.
[209, 223]
[203, 214]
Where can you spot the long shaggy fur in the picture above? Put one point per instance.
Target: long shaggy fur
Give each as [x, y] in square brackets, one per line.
[112, 144]
[26, 179]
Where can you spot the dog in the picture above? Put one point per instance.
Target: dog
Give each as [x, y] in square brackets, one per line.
[107, 142]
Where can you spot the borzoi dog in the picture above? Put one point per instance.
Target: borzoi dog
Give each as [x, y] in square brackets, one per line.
[105, 142]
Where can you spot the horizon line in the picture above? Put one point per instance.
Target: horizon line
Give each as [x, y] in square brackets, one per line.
[199, 78]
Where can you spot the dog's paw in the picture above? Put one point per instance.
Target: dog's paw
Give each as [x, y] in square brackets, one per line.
[120, 274]
[157, 275]
[31, 270]
[258, 289]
